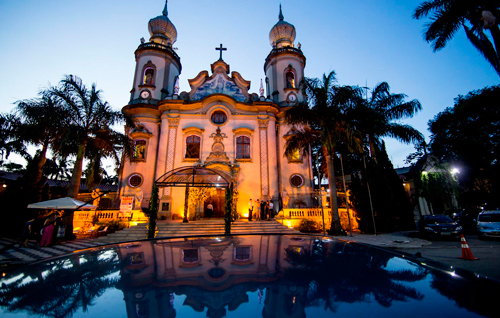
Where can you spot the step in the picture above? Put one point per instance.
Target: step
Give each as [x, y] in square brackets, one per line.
[203, 227]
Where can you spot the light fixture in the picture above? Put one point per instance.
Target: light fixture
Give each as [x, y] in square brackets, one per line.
[455, 171]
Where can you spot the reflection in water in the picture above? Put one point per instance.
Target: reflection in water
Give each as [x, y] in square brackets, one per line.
[286, 276]
[65, 286]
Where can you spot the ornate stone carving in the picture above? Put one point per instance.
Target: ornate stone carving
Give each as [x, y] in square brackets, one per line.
[217, 154]
[173, 122]
[263, 123]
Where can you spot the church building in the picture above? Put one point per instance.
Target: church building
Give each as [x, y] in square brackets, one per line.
[217, 133]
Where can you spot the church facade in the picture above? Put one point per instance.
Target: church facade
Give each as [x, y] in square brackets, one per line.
[218, 125]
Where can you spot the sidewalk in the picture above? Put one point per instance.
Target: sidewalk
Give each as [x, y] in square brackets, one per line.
[389, 240]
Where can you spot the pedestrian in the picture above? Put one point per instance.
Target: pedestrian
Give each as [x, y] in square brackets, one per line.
[263, 210]
[26, 233]
[271, 209]
[250, 210]
[257, 214]
[48, 230]
[58, 230]
[210, 210]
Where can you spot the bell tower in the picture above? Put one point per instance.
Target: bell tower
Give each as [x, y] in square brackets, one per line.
[157, 64]
[284, 66]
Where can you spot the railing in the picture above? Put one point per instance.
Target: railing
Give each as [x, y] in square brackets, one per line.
[152, 45]
[83, 218]
[293, 217]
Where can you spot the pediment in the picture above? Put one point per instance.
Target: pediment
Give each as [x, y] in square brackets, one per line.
[219, 83]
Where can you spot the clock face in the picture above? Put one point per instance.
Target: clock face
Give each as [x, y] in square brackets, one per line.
[145, 94]
[292, 97]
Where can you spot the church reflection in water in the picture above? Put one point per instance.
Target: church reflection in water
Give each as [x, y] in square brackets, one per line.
[217, 273]
[260, 276]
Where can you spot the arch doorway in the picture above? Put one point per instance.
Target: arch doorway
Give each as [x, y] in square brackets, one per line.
[200, 177]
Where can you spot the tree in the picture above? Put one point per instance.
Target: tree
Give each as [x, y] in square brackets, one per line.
[41, 123]
[468, 136]
[379, 118]
[10, 141]
[475, 17]
[323, 121]
[89, 133]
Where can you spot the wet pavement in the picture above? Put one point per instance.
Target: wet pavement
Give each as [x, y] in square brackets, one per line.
[389, 240]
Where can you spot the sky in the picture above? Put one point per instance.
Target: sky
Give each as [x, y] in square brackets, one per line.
[364, 42]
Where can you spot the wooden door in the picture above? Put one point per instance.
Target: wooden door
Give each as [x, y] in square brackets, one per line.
[219, 201]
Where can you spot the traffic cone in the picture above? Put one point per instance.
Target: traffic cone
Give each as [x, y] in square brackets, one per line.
[466, 253]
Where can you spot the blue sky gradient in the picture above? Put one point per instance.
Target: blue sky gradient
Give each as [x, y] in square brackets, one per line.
[365, 42]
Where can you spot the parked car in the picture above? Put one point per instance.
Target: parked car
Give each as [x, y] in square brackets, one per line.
[438, 225]
[488, 224]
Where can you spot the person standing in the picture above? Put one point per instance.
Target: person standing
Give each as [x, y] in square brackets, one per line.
[26, 233]
[271, 209]
[250, 210]
[258, 216]
[210, 210]
[48, 230]
[263, 210]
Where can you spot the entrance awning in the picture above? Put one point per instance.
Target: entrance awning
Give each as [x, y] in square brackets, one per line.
[194, 177]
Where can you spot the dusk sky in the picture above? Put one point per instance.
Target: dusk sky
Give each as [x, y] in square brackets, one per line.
[364, 42]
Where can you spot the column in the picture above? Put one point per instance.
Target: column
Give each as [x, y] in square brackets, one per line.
[162, 147]
[173, 123]
[264, 168]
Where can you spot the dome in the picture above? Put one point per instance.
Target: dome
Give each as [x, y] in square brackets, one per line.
[282, 34]
[162, 30]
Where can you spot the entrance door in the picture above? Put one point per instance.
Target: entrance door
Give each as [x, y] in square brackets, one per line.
[218, 200]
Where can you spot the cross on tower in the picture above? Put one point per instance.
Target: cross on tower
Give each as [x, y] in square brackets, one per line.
[221, 49]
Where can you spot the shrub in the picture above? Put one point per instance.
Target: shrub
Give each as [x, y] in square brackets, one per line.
[309, 226]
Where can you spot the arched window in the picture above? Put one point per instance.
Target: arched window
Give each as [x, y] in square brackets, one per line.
[139, 150]
[290, 80]
[243, 147]
[148, 76]
[193, 147]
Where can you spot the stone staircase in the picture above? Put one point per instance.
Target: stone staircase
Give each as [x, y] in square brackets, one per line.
[202, 227]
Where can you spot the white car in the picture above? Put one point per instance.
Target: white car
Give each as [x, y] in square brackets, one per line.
[488, 224]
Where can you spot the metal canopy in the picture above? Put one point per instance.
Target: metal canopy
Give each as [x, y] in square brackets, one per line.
[194, 177]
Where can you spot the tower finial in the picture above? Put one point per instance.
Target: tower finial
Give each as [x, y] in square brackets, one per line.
[281, 14]
[165, 11]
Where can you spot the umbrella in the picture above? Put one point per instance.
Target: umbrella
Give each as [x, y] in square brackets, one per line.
[66, 203]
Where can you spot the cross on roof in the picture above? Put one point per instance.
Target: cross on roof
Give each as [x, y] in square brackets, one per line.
[221, 49]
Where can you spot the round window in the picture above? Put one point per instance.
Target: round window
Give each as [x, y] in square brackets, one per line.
[135, 180]
[219, 117]
[297, 180]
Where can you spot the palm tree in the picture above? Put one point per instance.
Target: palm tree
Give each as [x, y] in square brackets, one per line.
[448, 16]
[91, 119]
[378, 117]
[323, 121]
[41, 123]
[10, 141]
